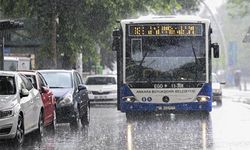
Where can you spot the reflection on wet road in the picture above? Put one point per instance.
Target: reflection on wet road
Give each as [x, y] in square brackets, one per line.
[109, 129]
[180, 131]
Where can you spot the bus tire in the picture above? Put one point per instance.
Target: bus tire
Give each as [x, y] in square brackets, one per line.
[129, 115]
[219, 102]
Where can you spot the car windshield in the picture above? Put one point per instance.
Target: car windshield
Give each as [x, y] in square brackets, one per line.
[7, 85]
[100, 81]
[58, 79]
[214, 79]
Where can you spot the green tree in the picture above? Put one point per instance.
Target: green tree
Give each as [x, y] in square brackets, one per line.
[239, 7]
[235, 24]
[69, 27]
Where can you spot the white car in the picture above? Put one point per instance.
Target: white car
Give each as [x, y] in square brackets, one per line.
[217, 90]
[102, 87]
[21, 107]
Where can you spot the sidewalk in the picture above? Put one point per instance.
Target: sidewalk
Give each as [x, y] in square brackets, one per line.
[236, 95]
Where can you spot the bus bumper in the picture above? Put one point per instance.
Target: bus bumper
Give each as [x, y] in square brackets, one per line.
[153, 107]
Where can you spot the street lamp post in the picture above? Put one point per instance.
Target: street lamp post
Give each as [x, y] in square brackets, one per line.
[1, 54]
[220, 31]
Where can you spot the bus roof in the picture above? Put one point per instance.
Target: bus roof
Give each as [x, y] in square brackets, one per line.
[163, 19]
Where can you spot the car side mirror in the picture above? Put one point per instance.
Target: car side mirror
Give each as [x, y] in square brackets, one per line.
[24, 93]
[44, 89]
[223, 83]
[81, 87]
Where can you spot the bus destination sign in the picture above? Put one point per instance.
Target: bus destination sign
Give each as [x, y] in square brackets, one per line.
[166, 30]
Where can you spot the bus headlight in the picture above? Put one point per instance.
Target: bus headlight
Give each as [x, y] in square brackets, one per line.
[202, 98]
[130, 99]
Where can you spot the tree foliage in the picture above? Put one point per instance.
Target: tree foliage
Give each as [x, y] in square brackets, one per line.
[239, 7]
[235, 26]
[83, 24]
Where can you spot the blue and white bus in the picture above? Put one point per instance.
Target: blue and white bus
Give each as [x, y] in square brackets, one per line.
[164, 64]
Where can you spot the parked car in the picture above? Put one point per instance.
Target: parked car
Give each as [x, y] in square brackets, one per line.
[102, 87]
[71, 95]
[21, 107]
[47, 95]
[217, 90]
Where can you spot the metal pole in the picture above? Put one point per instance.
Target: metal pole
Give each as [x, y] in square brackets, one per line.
[53, 40]
[54, 33]
[2, 55]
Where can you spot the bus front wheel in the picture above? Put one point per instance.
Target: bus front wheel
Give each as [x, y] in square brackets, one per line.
[129, 115]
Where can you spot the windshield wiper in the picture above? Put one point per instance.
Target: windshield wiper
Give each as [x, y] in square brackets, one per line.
[140, 67]
[196, 62]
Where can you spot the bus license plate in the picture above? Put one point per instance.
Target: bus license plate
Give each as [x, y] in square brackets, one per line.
[166, 107]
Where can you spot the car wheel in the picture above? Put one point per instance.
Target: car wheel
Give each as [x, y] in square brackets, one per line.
[19, 138]
[85, 118]
[219, 102]
[129, 115]
[40, 129]
[205, 113]
[74, 122]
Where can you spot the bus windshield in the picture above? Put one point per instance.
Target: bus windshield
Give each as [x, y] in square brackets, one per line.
[165, 58]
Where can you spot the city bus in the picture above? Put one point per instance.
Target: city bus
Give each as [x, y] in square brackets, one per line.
[164, 63]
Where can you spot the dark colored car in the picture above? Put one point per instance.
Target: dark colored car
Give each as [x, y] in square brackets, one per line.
[72, 100]
[47, 96]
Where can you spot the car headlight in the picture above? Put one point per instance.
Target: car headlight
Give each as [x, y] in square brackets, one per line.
[67, 100]
[6, 113]
[202, 98]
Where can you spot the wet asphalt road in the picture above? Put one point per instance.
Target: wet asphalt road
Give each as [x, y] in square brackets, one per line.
[227, 127]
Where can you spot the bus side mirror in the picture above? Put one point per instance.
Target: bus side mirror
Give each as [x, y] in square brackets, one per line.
[216, 48]
[116, 40]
